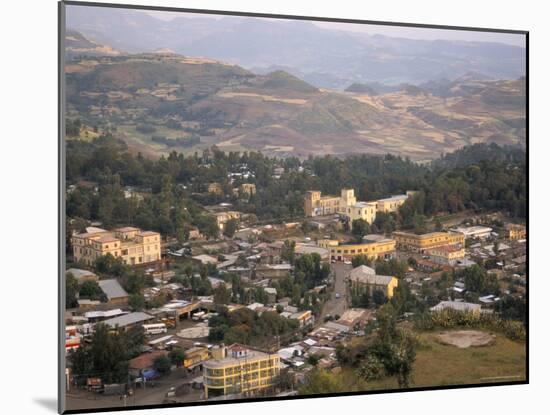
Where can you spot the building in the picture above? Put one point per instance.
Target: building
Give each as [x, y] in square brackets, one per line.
[421, 243]
[474, 232]
[82, 275]
[304, 318]
[116, 295]
[127, 321]
[248, 189]
[374, 249]
[363, 279]
[447, 254]
[393, 203]
[317, 205]
[457, 306]
[195, 356]
[361, 210]
[302, 249]
[223, 217]
[215, 188]
[239, 370]
[515, 232]
[134, 246]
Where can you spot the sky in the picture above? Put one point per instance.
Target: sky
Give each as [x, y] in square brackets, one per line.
[392, 31]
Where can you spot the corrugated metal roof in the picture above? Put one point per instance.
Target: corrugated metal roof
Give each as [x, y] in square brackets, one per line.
[112, 289]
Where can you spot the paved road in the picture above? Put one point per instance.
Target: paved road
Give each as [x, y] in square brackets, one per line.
[337, 305]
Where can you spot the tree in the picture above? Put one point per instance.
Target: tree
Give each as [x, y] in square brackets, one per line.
[231, 227]
[321, 381]
[162, 364]
[136, 302]
[92, 291]
[71, 291]
[359, 260]
[288, 251]
[379, 298]
[313, 359]
[222, 295]
[177, 356]
[359, 228]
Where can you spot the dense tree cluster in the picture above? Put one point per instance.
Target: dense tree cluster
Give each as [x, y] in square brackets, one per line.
[173, 188]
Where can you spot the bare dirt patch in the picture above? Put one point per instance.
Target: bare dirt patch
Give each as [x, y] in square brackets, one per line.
[466, 338]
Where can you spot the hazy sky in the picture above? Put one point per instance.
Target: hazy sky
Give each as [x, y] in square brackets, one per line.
[393, 31]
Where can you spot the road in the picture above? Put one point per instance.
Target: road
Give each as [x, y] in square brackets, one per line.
[335, 305]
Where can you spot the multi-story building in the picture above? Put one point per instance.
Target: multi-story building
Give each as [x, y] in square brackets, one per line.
[515, 232]
[317, 205]
[134, 246]
[363, 279]
[248, 189]
[447, 254]
[361, 210]
[237, 369]
[422, 243]
[195, 356]
[373, 248]
[392, 204]
[215, 188]
[223, 217]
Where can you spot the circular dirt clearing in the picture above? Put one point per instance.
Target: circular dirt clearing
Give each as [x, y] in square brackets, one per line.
[466, 338]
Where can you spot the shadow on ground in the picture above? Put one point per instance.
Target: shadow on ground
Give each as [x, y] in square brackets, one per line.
[48, 403]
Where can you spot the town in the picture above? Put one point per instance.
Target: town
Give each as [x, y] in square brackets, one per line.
[235, 276]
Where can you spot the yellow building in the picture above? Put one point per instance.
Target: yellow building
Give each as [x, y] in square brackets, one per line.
[134, 246]
[317, 205]
[379, 248]
[362, 210]
[248, 189]
[215, 188]
[195, 356]
[363, 279]
[515, 232]
[238, 369]
[392, 204]
[223, 217]
[421, 243]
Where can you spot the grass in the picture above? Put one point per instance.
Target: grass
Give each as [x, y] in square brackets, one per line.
[443, 365]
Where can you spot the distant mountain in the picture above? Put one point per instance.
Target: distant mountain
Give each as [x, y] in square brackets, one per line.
[361, 89]
[322, 57]
[164, 101]
[78, 44]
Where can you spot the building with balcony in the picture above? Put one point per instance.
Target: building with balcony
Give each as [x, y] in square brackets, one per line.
[237, 369]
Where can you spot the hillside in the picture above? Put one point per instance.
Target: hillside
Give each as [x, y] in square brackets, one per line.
[163, 101]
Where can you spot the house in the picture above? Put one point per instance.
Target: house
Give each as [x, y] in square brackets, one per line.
[304, 318]
[271, 294]
[457, 306]
[215, 188]
[363, 279]
[223, 217]
[361, 210]
[474, 232]
[205, 259]
[82, 275]
[116, 295]
[144, 362]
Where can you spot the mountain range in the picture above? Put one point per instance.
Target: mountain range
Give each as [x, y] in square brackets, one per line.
[322, 57]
